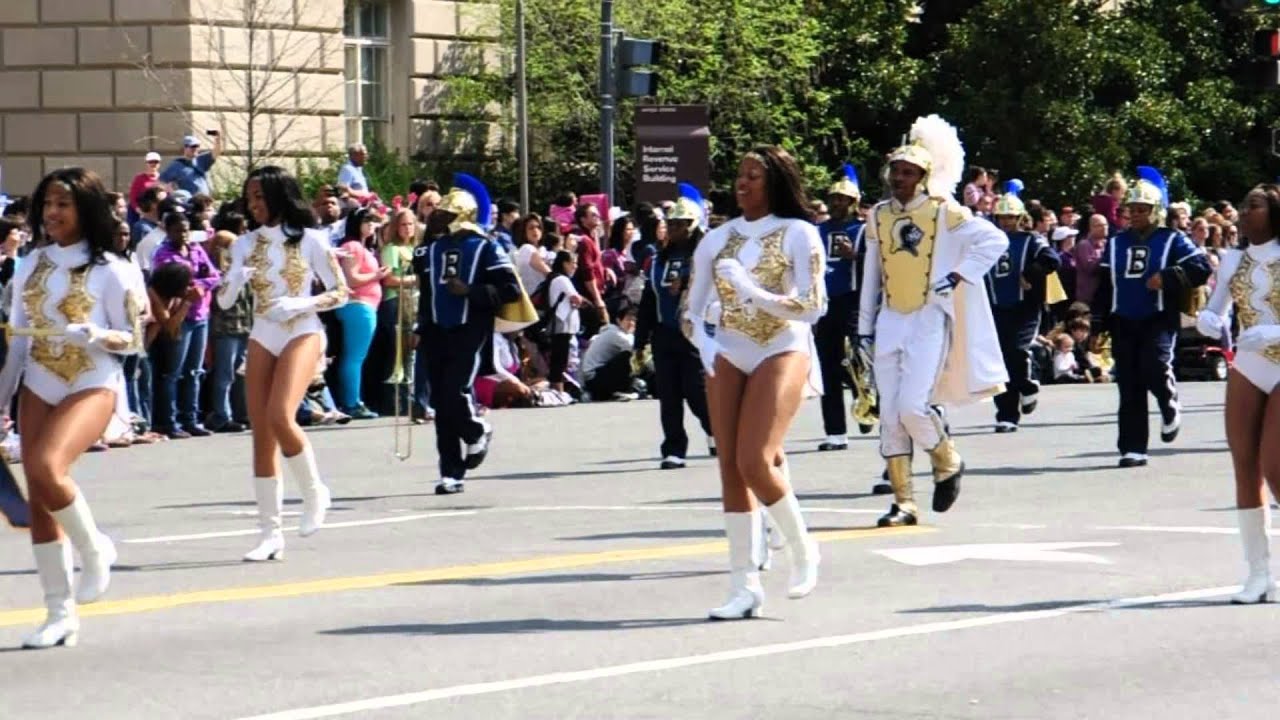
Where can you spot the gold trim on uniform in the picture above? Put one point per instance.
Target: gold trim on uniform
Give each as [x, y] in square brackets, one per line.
[338, 295]
[260, 261]
[64, 360]
[760, 327]
[1273, 297]
[295, 271]
[812, 298]
[1241, 287]
[906, 263]
[119, 341]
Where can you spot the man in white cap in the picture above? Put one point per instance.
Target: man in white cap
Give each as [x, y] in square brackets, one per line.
[191, 171]
[934, 338]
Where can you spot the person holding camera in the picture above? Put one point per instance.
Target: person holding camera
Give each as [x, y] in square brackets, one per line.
[842, 236]
[190, 172]
[464, 278]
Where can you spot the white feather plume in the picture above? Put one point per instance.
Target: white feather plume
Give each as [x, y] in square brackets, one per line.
[939, 137]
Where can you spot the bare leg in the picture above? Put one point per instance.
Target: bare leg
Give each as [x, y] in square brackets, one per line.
[259, 370]
[724, 400]
[1245, 409]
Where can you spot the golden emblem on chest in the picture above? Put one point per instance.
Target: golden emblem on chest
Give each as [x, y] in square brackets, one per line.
[1241, 287]
[770, 273]
[66, 361]
[295, 270]
[260, 261]
[907, 241]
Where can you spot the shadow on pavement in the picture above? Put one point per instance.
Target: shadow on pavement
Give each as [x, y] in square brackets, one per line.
[802, 497]
[552, 474]
[1059, 604]
[1153, 452]
[1034, 470]
[567, 578]
[160, 567]
[298, 501]
[516, 627]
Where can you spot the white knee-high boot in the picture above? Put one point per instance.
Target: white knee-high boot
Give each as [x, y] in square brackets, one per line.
[1258, 586]
[315, 494]
[53, 565]
[97, 552]
[269, 492]
[746, 595]
[804, 549]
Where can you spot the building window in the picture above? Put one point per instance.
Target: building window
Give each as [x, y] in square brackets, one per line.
[367, 48]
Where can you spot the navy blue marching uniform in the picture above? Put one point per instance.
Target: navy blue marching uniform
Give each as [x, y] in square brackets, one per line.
[838, 324]
[1017, 309]
[455, 329]
[1144, 324]
[677, 365]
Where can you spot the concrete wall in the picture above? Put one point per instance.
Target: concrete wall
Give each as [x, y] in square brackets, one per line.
[101, 82]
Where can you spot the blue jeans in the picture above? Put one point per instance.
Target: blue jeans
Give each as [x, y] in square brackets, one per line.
[178, 393]
[358, 321]
[226, 397]
[421, 384]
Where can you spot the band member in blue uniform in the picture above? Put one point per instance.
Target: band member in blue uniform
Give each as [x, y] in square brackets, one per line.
[464, 278]
[842, 236]
[1016, 286]
[1146, 271]
[676, 362]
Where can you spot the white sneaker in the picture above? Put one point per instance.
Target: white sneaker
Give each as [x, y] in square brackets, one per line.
[671, 462]
[1129, 460]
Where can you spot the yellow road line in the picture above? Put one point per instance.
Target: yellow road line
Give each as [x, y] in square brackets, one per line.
[148, 603]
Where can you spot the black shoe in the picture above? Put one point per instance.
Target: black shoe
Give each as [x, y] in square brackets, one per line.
[176, 434]
[896, 517]
[829, 446]
[1004, 426]
[231, 427]
[1028, 403]
[198, 431]
[864, 429]
[882, 488]
[1132, 460]
[452, 487]
[1171, 423]
[672, 463]
[477, 452]
[946, 492]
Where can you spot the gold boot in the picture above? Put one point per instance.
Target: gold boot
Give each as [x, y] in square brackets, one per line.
[948, 466]
[903, 511]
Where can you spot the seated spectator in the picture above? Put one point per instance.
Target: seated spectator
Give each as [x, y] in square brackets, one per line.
[563, 302]
[504, 388]
[1065, 367]
[606, 365]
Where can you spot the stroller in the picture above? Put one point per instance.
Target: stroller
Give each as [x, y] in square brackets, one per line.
[1197, 357]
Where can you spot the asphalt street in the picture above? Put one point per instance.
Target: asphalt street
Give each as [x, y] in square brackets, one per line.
[572, 580]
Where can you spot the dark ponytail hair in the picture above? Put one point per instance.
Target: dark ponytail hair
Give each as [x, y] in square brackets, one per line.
[351, 231]
[97, 220]
[563, 258]
[784, 185]
[283, 197]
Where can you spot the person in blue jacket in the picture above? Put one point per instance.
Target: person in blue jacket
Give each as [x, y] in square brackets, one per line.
[1147, 271]
[1016, 286]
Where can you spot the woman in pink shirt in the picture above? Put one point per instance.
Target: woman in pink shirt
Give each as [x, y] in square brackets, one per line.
[358, 317]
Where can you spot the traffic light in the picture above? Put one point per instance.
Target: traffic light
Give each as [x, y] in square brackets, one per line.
[633, 53]
[1266, 44]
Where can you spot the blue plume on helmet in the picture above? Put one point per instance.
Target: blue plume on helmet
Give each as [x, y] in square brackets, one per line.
[1153, 176]
[1014, 187]
[689, 192]
[851, 173]
[484, 206]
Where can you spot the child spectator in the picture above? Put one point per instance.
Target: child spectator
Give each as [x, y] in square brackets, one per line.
[606, 365]
[563, 302]
[1065, 367]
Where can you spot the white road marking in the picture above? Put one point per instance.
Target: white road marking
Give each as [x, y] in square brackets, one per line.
[1193, 529]
[1025, 552]
[458, 513]
[649, 666]
[345, 524]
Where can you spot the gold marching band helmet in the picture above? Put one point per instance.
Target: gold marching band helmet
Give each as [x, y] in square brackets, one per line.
[468, 200]
[1150, 189]
[847, 184]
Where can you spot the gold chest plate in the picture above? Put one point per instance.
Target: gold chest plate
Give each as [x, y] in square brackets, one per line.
[1242, 289]
[770, 273]
[66, 361]
[907, 241]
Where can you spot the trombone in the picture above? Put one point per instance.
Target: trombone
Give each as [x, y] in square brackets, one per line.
[402, 401]
[866, 404]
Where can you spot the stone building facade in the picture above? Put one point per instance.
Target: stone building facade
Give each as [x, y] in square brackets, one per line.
[99, 83]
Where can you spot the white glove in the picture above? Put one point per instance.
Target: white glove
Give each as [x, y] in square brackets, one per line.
[1210, 324]
[84, 334]
[732, 272]
[944, 287]
[285, 309]
[1258, 338]
[706, 345]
